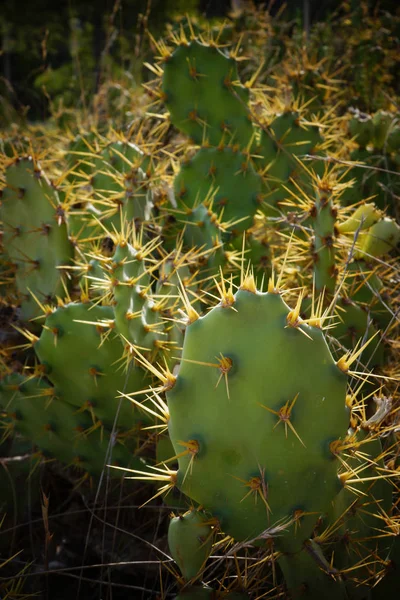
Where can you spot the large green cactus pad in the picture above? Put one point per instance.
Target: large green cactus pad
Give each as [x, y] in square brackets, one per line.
[258, 424]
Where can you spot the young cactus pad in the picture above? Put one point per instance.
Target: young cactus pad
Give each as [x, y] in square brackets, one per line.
[190, 539]
[255, 412]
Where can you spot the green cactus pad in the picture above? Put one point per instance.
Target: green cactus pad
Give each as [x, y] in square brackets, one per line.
[230, 175]
[358, 517]
[355, 325]
[363, 217]
[57, 428]
[196, 593]
[204, 97]
[85, 368]
[120, 184]
[323, 217]
[378, 240]
[137, 317]
[286, 138]
[190, 539]
[381, 121]
[35, 235]
[361, 129]
[204, 232]
[243, 463]
[367, 290]
[80, 157]
[309, 576]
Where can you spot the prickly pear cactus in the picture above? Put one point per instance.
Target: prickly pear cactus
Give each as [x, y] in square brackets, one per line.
[203, 94]
[119, 184]
[127, 280]
[257, 413]
[359, 516]
[190, 538]
[33, 409]
[226, 176]
[283, 139]
[323, 216]
[376, 159]
[380, 239]
[197, 593]
[35, 236]
[81, 356]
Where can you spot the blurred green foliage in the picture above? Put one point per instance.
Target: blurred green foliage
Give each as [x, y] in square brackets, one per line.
[61, 52]
[57, 56]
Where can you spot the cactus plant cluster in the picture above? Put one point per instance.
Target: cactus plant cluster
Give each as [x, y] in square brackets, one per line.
[280, 468]
[216, 294]
[377, 139]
